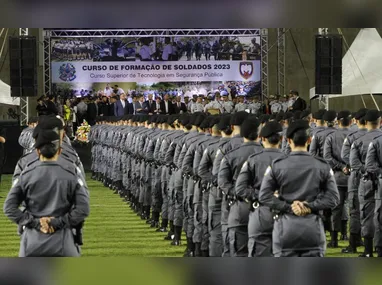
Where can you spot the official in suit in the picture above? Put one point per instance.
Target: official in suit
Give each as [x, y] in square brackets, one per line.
[179, 106]
[149, 105]
[140, 106]
[120, 106]
[299, 103]
[157, 106]
[167, 108]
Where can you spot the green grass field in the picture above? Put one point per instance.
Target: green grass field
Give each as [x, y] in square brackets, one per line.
[112, 229]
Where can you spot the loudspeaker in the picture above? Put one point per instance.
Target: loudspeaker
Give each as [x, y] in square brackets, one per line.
[12, 150]
[328, 64]
[23, 66]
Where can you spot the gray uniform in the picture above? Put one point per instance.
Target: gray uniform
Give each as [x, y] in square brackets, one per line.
[353, 183]
[332, 154]
[317, 145]
[276, 107]
[367, 188]
[228, 107]
[304, 178]
[43, 201]
[241, 107]
[248, 183]
[236, 213]
[26, 140]
[223, 149]
[197, 107]
[373, 166]
[214, 105]
[208, 171]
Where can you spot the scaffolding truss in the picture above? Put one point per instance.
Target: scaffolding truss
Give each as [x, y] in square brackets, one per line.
[24, 101]
[151, 33]
[93, 33]
[281, 61]
[264, 64]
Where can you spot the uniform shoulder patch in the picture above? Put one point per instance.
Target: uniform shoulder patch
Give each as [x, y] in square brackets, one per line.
[80, 182]
[15, 182]
[267, 171]
[331, 172]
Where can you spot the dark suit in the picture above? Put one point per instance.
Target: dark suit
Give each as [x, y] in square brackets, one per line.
[299, 105]
[139, 105]
[149, 108]
[130, 108]
[119, 110]
[181, 107]
[170, 110]
[51, 108]
[92, 113]
[111, 109]
[103, 109]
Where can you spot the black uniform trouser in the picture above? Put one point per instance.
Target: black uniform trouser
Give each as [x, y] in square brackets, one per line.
[353, 202]
[214, 224]
[190, 208]
[337, 212]
[367, 208]
[355, 213]
[171, 197]
[378, 222]
[198, 214]
[305, 253]
[260, 228]
[238, 241]
[224, 222]
[179, 200]
[205, 231]
[165, 193]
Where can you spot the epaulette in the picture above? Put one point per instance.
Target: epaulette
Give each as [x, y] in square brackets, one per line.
[379, 135]
[279, 159]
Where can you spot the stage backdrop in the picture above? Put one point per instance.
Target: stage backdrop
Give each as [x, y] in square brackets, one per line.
[184, 64]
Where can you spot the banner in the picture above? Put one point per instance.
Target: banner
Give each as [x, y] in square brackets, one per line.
[146, 72]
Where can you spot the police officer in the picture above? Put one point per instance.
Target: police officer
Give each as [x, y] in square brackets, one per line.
[332, 154]
[317, 146]
[228, 106]
[354, 180]
[373, 167]
[48, 224]
[198, 105]
[368, 182]
[215, 104]
[241, 105]
[260, 224]
[208, 172]
[318, 121]
[230, 166]
[276, 106]
[302, 194]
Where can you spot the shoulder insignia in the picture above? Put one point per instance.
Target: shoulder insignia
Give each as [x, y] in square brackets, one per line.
[217, 153]
[80, 182]
[331, 172]
[267, 171]
[15, 182]
[205, 151]
[345, 141]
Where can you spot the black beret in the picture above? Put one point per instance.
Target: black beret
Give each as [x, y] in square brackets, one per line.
[199, 119]
[271, 128]
[46, 136]
[213, 120]
[372, 115]
[51, 122]
[279, 117]
[344, 114]
[185, 120]
[250, 128]
[264, 118]
[329, 116]
[288, 115]
[238, 118]
[224, 123]
[295, 126]
[305, 114]
[319, 114]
